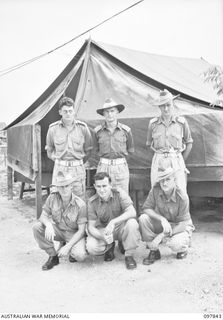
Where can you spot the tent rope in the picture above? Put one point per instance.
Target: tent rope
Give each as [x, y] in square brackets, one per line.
[24, 63]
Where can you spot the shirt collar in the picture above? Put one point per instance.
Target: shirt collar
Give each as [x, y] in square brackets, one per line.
[63, 125]
[72, 201]
[172, 119]
[110, 197]
[118, 125]
[172, 198]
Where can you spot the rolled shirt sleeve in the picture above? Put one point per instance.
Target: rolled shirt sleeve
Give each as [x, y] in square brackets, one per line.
[88, 143]
[46, 210]
[95, 142]
[50, 141]
[150, 202]
[130, 142]
[187, 138]
[125, 200]
[82, 214]
[91, 211]
[149, 138]
[183, 213]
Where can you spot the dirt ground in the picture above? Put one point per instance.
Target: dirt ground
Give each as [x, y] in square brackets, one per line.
[192, 285]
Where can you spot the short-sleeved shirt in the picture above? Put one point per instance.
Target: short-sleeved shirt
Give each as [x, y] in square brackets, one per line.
[163, 137]
[68, 219]
[69, 144]
[175, 210]
[104, 211]
[113, 145]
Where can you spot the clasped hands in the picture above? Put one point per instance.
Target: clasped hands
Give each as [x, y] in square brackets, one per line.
[50, 234]
[167, 229]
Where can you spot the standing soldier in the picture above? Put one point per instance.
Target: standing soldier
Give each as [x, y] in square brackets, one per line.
[68, 144]
[113, 142]
[169, 136]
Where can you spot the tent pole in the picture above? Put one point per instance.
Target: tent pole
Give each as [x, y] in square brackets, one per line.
[38, 181]
[10, 182]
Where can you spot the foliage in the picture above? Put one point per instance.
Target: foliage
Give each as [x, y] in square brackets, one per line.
[214, 74]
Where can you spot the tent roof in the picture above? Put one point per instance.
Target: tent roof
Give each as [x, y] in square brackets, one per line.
[181, 75]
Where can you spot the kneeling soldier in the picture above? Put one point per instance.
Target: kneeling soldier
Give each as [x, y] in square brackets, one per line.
[63, 219]
[111, 216]
[166, 217]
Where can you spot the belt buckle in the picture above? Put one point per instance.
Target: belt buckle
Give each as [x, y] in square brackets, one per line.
[166, 154]
[112, 162]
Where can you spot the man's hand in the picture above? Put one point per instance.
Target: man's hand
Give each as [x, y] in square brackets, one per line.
[167, 229]
[64, 250]
[108, 238]
[49, 232]
[110, 228]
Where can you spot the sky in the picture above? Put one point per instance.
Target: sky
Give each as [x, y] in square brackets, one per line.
[28, 28]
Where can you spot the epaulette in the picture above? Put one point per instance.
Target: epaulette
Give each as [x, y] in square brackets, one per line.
[81, 122]
[91, 199]
[153, 120]
[98, 128]
[125, 127]
[181, 119]
[79, 201]
[54, 123]
[181, 193]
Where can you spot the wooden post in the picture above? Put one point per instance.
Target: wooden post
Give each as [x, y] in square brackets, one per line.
[38, 181]
[10, 182]
[21, 190]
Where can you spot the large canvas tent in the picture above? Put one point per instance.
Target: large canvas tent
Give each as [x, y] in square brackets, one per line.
[133, 78]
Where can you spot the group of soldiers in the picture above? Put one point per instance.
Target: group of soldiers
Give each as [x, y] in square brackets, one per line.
[91, 227]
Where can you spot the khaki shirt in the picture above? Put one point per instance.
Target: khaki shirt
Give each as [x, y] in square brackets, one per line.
[69, 145]
[175, 210]
[104, 211]
[163, 137]
[68, 219]
[113, 145]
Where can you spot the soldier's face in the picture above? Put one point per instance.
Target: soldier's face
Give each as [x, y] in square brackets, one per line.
[168, 184]
[103, 188]
[167, 109]
[65, 191]
[111, 114]
[67, 113]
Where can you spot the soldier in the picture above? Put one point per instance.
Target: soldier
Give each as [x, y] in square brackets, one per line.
[165, 217]
[68, 144]
[113, 142]
[63, 219]
[111, 216]
[169, 137]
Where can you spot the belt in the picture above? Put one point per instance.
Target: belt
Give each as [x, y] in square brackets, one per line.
[113, 162]
[69, 163]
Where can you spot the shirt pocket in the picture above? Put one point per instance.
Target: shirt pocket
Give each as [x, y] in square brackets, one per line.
[71, 219]
[60, 142]
[77, 141]
[175, 140]
[120, 141]
[104, 142]
[157, 137]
